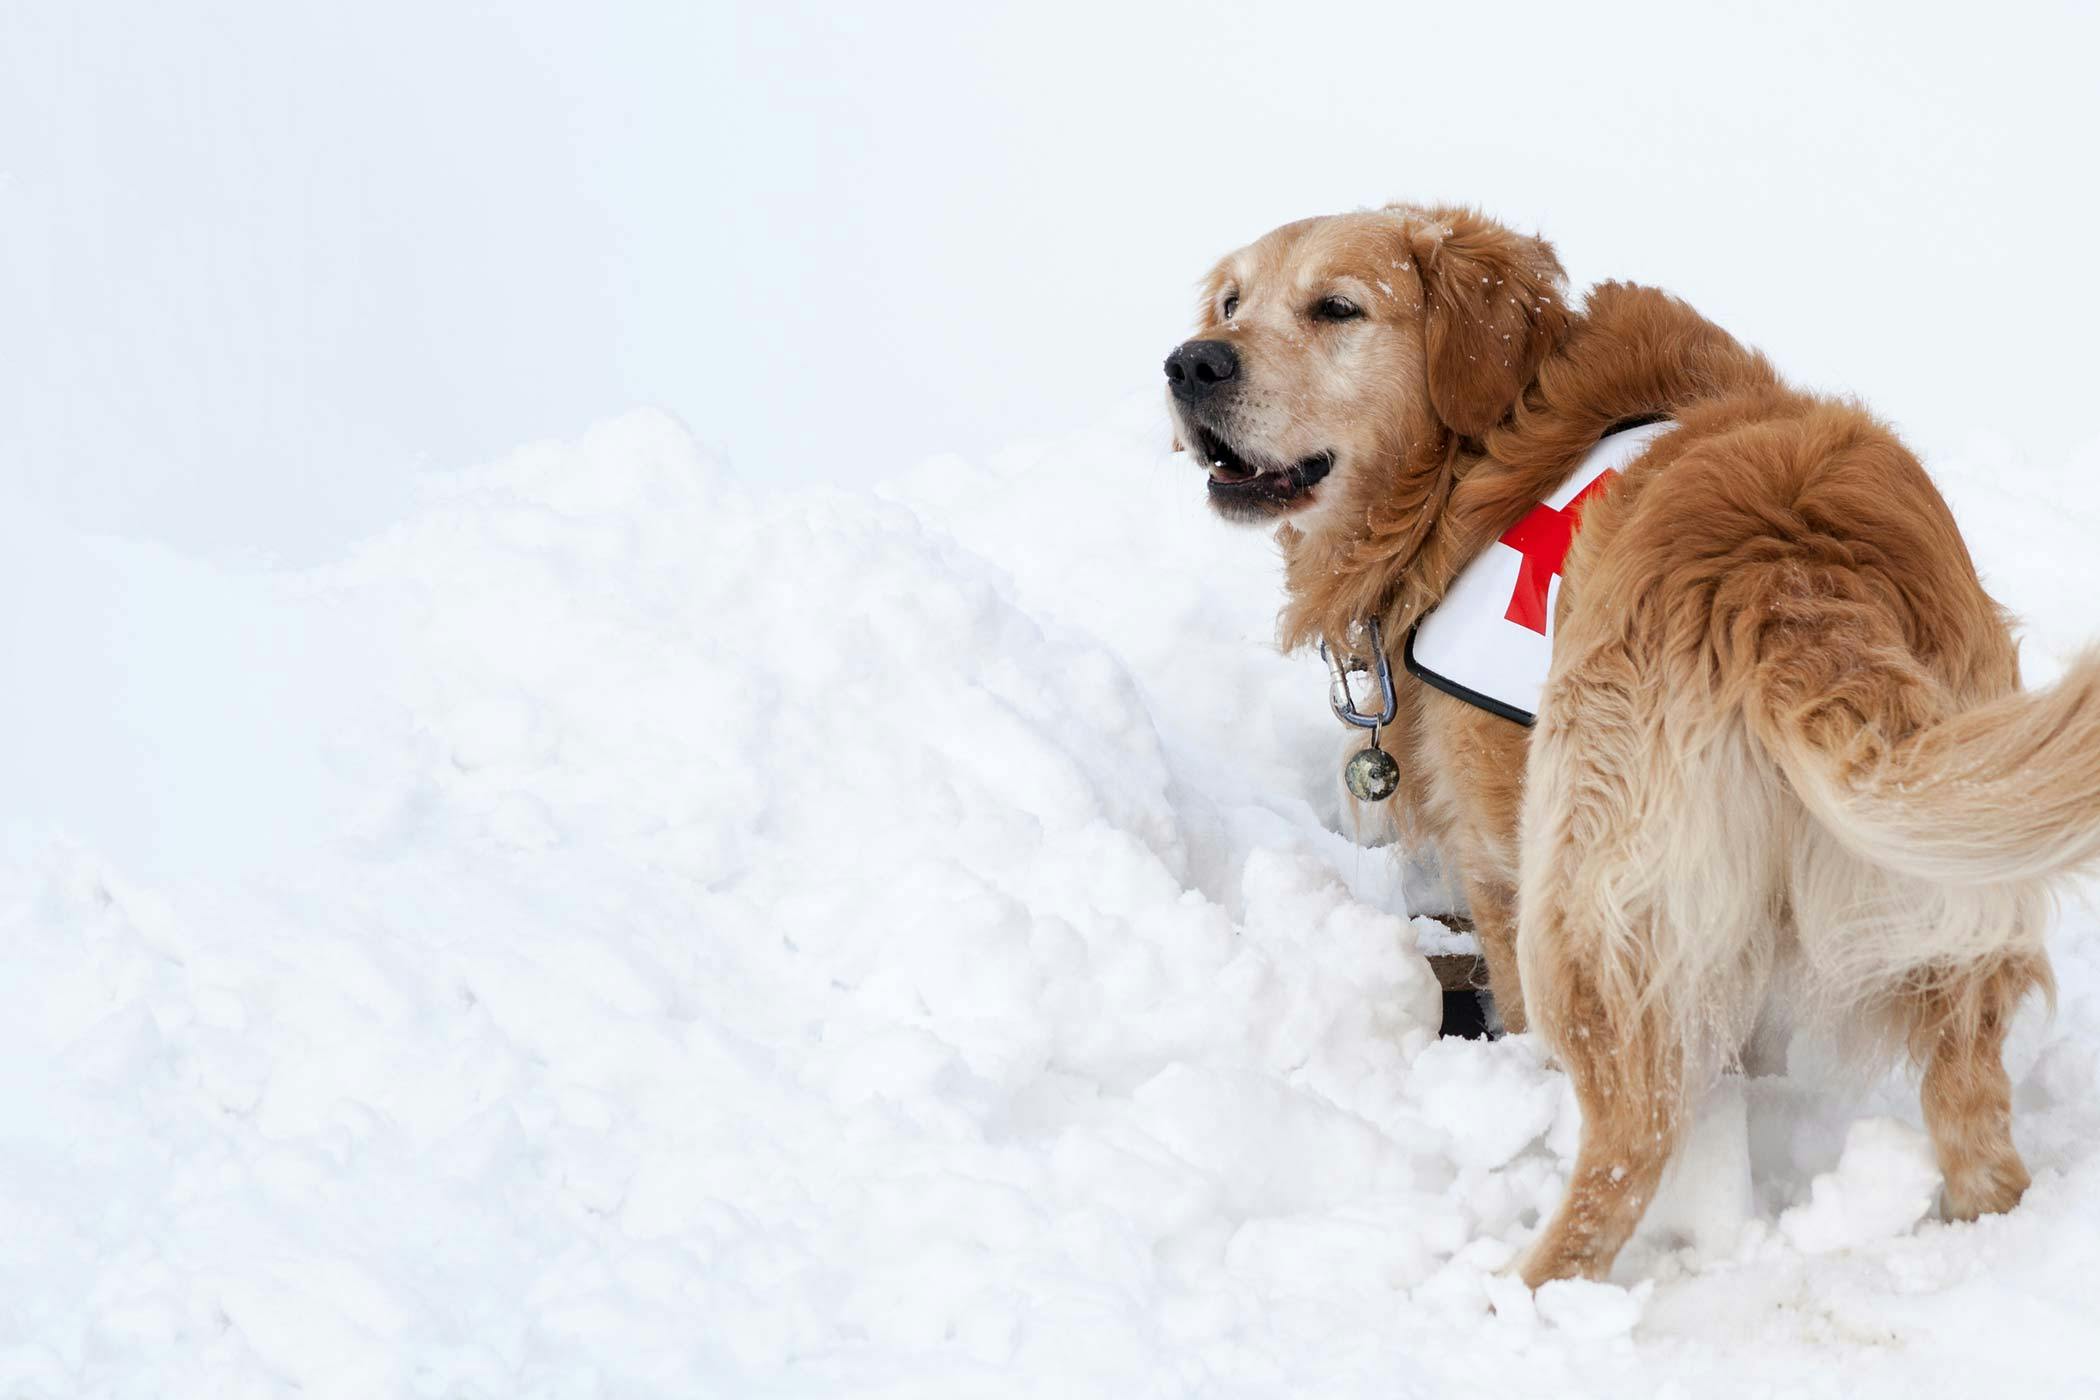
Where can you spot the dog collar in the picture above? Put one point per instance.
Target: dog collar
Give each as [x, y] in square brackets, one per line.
[1489, 642]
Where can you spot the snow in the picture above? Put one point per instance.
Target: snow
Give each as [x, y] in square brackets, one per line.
[1883, 1185]
[1592, 1311]
[623, 931]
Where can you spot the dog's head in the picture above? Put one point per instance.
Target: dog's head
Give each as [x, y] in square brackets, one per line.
[1329, 350]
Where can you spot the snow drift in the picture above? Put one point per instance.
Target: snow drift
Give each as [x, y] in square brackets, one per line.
[623, 932]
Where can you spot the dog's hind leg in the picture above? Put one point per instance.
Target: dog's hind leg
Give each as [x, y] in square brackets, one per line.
[1958, 1023]
[1628, 1073]
[1589, 953]
[1647, 910]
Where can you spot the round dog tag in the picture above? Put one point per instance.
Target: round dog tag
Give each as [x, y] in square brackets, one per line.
[1371, 775]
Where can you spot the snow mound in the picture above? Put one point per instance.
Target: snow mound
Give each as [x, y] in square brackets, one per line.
[1883, 1185]
[1592, 1311]
[626, 932]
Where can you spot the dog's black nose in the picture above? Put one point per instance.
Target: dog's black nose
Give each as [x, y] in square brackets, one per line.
[1199, 366]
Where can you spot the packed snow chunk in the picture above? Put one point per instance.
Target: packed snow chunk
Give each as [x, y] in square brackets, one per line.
[1884, 1184]
[1378, 995]
[1433, 936]
[493, 730]
[1270, 1150]
[1363, 1250]
[1592, 1311]
[1490, 1100]
[1515, 1307]
[1705, 1198]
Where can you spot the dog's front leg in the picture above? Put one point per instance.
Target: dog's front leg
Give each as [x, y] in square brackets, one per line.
[1494, 908]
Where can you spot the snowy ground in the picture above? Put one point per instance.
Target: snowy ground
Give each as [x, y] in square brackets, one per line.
[625, 933]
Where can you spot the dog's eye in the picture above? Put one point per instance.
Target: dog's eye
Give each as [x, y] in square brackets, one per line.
[1336, 309]
[1232, 304]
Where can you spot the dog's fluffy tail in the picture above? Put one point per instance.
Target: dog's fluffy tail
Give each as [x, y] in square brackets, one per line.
[2003, 791]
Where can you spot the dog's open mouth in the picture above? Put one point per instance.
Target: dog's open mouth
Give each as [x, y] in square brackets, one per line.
[1236, 483]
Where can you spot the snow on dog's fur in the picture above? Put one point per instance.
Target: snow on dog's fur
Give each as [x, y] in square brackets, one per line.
[1783, 727]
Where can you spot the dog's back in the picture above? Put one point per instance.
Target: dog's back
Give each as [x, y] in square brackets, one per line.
[1785, 722]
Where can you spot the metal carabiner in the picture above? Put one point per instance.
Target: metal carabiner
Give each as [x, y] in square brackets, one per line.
[1339, 698]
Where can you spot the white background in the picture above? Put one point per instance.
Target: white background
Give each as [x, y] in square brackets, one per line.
[265, 262]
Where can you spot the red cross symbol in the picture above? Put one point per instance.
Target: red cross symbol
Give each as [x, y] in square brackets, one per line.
[1543, 537]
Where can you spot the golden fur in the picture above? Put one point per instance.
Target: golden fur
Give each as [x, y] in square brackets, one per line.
[1783, 728]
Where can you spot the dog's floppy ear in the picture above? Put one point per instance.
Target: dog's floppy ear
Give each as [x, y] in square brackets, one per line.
[1494, 308]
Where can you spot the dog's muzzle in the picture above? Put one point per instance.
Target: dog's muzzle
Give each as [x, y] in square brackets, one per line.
[1198, 367]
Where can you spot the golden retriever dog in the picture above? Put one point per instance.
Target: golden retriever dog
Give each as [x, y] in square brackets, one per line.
[1783, 735]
